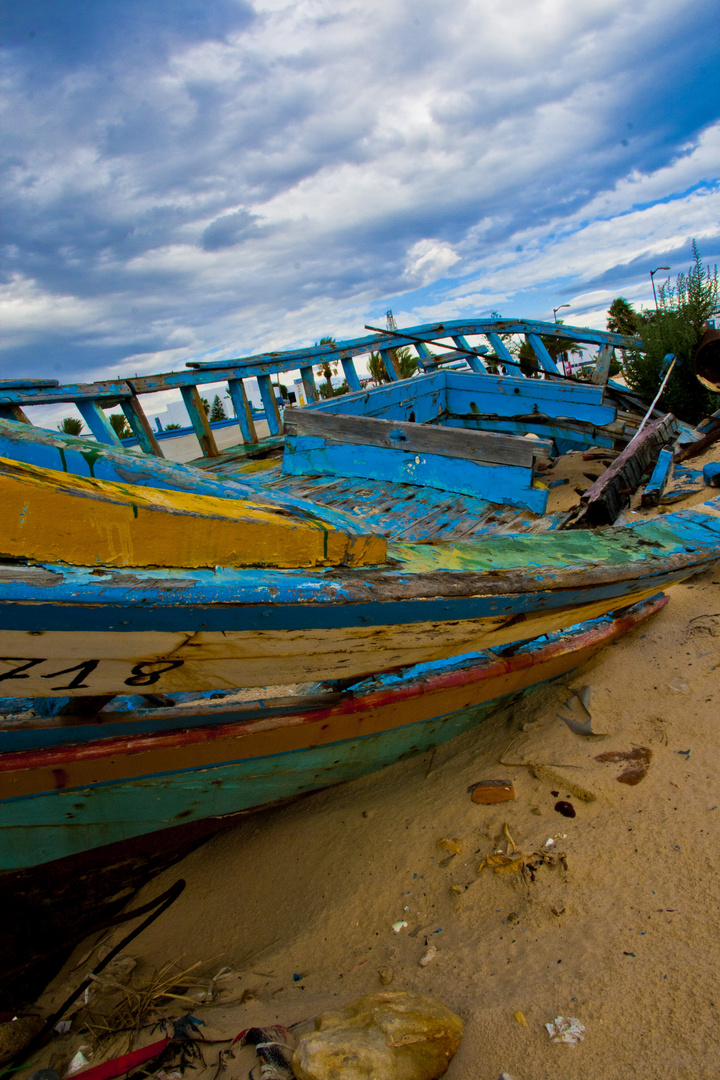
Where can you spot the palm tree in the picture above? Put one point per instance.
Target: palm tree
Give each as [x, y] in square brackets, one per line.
[120, 426]
[71, 426]
[622, 317]
[325, 368]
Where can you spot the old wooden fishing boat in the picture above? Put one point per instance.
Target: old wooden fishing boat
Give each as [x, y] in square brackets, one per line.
[392, 528]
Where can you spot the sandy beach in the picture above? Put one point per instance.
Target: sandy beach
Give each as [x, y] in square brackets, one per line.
[296, 906]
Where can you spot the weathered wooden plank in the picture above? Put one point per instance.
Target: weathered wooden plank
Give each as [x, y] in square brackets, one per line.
[101, 522]
[472, 357]
[505, 395]
[699, 447]
[601, 371]
[98, 422]
[13, 412]
[309, 385]
[391, 367]
[272, 413]
[505, 484]
[199, 420]
[538, 347]
[414, 438]
[601, 503]
[140, 426]
[351, 376]
[243, 411]
[418, 399]
[559, 432]
[660, 476]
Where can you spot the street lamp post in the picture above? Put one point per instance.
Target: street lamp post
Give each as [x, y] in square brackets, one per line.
[652, 280]
[565, 359]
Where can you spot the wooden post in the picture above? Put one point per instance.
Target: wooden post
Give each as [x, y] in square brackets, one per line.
[140, 426]
[351, 375]
[267, 393]
[500, 348]
[309, 386]
[13, 412]
[98, 422]
[424, 354]
[199, 421]
[474, 361]
[390, 365]
[544, 358]
[601, 371]
[243, 411]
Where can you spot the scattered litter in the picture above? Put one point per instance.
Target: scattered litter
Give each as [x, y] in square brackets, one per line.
[395, 1035]
[521, 1018]
[525, 864]
[685, 752]
[565, 808]
[549, 842]
[44, 1074]
[429, 956]
[78, 1062]
[297, 977]
[273, 1047]
[566, 1029]
[454, 846]
[502, 864]
[492, 791]
[679, 687]
[638, 759]
[506, 1076]
[399, 925]
[63, 1026]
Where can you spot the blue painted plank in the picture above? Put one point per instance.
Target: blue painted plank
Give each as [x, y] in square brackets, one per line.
[508, 485]
[351, 375]
[472, 359]
[309, 385]
[199, 420]
[538, 347]
[390, 365]
[243, 412]
[660, 476]
[98, 423]
[141, 429]
[506, 396]
[272, 414]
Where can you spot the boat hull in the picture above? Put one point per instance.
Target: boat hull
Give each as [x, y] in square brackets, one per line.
[104, 791]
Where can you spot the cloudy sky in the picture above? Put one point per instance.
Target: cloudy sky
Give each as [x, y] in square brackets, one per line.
[208, 178]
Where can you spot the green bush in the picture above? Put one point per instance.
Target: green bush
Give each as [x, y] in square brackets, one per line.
[677, 327]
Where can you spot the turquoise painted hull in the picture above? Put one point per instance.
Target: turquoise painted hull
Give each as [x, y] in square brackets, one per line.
[58, 824]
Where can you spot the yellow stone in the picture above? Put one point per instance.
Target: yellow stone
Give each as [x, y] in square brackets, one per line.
[393, 1036]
